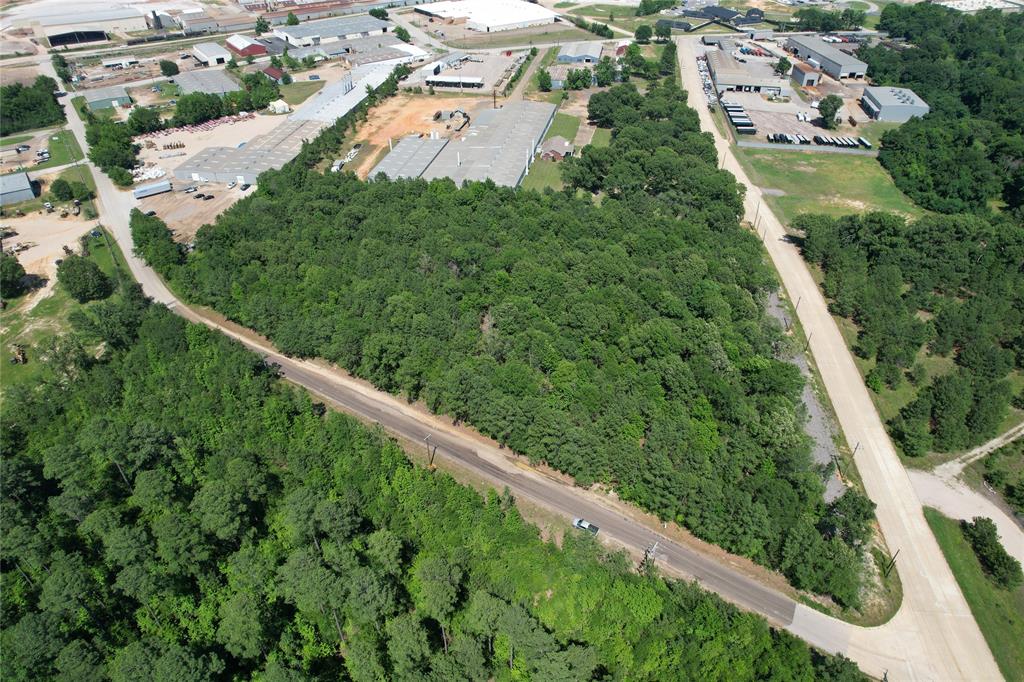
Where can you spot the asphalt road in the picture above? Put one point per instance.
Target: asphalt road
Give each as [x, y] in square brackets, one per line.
[933, 636]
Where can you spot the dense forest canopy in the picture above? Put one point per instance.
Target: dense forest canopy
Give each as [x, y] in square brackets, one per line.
[970, 69]
[952, 284]
[171, 511]
[28, 107]
[631, 352]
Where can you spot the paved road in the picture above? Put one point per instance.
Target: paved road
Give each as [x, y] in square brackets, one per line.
[926, 640]
[933, 636]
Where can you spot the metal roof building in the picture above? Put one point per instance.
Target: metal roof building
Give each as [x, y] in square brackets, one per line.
[498, 146]
[893, 104]
[244, 46]
[214, 82]
[832, 61]
[331, 30]
[106, 98]
[151, 189]
[244, 164]
[337, 99]
[490, 16]
[586, 52]
[210, 54]
[730, 74]
[15, 188]
[410, 157]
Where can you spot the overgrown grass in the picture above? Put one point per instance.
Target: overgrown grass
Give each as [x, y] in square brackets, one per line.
[999, 613]
[834, 184]
[34, 328]
[14, 139]
[298, 92]
[565, 125]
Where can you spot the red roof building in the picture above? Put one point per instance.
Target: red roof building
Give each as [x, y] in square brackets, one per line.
[274, 73]
[245, 47]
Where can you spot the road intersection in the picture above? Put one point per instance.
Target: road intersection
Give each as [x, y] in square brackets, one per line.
[932, 637]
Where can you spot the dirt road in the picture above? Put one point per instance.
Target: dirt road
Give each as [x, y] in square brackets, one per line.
[933, 636]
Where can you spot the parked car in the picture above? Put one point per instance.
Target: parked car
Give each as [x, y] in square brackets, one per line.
[22, 148]
[207, 197]
[585, 525]
[314, 77]
[189, 190]
[232, 184]
[245, 186]
[151, 213]
[199, 196]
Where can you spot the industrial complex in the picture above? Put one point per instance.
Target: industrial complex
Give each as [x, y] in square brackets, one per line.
[826, 57]
[498, 145]
[896, 105]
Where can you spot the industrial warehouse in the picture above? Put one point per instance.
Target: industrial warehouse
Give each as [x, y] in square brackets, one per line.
[829, 59]
[897, 105]
[498, 145]
[331, 30]
[489, 16]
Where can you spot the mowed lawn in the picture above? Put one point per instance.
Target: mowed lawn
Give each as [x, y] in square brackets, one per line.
[298, 92]
[565, 125]
[999, 613]
[602, 137]
[543, 174]
[816, 182]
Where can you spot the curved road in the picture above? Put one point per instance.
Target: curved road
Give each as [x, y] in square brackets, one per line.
[932, 637]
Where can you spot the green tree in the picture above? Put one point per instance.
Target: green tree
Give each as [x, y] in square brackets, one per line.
[828, 107]
[436, 585]
[11, 274]
[61, 190]
[1000, 566]
[402, 34]
[407, 645]
[144, 120]
[544, 80]
[261, 26]
[663, 31]
[83, 279]
[379, 13]
[783, 66]
[292, 20]
[643, 34]
[168, 68]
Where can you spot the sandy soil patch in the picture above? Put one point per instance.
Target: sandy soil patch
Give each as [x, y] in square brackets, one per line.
[50, 233]
[224, 135]
[409, 114]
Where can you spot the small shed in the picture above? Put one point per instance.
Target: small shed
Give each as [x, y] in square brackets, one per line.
[803, 74]
[15, 188]
[106, 98]
[210, 54]
[556, 148]
[278, 106]
[273, 73]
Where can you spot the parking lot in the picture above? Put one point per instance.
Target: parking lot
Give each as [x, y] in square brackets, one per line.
[184, 213]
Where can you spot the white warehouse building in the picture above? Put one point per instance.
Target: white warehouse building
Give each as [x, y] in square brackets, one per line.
[489, 16]
[331, 30]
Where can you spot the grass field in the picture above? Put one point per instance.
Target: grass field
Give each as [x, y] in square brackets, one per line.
[547, 58]
[616, 15]
[873, 131]
[33, 329]
[834, 184]
[63, 150]
[602, 137]
[543, 174]
[14, 139]
[558, 33]
[999, 613]
[565, 125]
[83, 110]
[297, 92]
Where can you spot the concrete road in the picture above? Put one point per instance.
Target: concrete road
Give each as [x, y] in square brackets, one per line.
[933, 636]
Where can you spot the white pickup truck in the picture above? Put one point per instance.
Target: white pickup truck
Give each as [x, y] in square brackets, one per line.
[582, 524]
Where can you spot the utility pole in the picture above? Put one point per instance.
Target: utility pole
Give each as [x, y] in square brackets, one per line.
[650, 554]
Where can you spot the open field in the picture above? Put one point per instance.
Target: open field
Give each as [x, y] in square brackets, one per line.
[537, 35]
[564, 125]
[620, 16]
[1000, 614]
[15, 139]
[297, 92]
[833, 184]
[602, 137]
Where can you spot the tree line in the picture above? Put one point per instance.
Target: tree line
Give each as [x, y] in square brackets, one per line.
[172, 511]
[29, 107]
[825, 21]
[631, 353]
[969, 150]
[947, 286]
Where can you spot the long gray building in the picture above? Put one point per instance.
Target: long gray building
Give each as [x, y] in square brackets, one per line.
[832, 61]
[410, 157]
[331, 30]
[898, 105]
